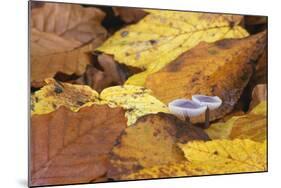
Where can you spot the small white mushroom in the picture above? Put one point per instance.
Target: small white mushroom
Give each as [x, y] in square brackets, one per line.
[184, 108]
[211, 102]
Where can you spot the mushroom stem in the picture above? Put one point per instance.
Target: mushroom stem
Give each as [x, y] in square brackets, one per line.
[187, 120]
[207, 118]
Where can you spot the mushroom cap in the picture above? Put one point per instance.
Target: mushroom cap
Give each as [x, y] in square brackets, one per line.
[185, 107]
[213, 102]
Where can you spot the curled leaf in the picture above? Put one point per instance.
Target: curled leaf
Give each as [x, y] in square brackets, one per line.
[129, 15]
[259, 94]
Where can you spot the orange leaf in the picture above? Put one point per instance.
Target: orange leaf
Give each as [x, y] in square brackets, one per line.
[219, 69]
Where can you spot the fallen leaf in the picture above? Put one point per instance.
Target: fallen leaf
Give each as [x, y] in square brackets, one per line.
[259, 94]
[151, 141]
[105, 74]
[129, 15]
[72, 147]
[219, 157]
[206, 70]
[163, 171]
[255, 20]
[137, 101]
[68, 21]
[255, 24]
[260, 76]
[249, 126]
[226, 156]
[62, 37]
[56, 94]
[162, 35]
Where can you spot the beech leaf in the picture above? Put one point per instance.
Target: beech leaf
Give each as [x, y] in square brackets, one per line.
[219, 157]
[249, 126]
[62, 37]
[56, 94]
[226, 156]
[71, 147]
[136, 100]
[206, 70]
[151, 141]
[163, 35]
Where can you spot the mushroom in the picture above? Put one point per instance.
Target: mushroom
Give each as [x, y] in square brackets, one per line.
[185, 109]
[211, 102]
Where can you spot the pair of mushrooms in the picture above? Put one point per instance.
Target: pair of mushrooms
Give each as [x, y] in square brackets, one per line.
[185, 109]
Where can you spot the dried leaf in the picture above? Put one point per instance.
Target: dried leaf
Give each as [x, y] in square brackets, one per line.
[207, 69]
[110, 73]
[71, 147]
[259, 94]
[137, 101]
[151, 141]
[226, 156]
[62, 35]
[260, 76]
[163, 35]
[56, 94]
[49, 63]
[129, 15]
[69, 21]
[250, 126]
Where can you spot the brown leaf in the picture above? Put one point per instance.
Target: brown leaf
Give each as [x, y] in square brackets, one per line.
[106, 73]
[68, 21]
[222, 69]
[259, 94]
[62, 36]
[72, 147]
[129, 15]
[151, 141]
[260, 76]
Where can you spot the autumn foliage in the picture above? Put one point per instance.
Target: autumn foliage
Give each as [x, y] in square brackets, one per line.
[102, 78]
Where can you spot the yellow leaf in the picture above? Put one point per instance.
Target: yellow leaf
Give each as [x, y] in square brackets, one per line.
[163, 35]
[151, 141]
[136, 100]
[163, 171]
[226, 156]
[212, 157]
[250, 126]
[55, 94]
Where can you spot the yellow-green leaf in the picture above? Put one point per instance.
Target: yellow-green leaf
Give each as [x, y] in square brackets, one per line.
[137, 101]
[163, 35]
